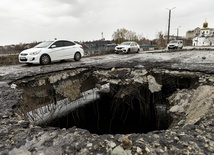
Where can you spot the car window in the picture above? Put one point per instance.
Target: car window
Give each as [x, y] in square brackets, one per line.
[173, 41]
[43, 44]
[68, 43]
[125, 43]
[58, 44]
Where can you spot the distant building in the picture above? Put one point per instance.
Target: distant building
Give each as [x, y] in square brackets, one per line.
[193, 33]
[99, 43]
[205, 37]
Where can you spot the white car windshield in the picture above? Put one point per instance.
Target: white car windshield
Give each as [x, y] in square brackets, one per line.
[173, 41]
[125, 43]
[43, 44]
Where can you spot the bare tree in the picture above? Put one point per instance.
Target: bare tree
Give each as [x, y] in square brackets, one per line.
[124, 35]
[161, 41]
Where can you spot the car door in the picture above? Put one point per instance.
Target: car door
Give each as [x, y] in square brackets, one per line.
[57, 51]
[69, 49]
[131, 47]
[135, 47]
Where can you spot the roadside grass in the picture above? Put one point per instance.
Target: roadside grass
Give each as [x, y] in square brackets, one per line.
[9, 59]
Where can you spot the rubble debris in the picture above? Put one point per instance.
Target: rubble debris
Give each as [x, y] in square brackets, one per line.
[192, 105]
[189, 95]
[153, 85]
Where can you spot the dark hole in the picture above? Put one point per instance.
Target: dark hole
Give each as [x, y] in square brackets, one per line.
[134, 113]
[135, 110]
[139, 112]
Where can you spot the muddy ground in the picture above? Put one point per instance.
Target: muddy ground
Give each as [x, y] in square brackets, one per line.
[191, 108]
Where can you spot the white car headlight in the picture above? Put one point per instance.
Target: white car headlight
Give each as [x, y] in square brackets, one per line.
[35, 52]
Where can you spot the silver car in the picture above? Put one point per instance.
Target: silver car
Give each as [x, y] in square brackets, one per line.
[127, 47]
[50, 51]
[175, 44]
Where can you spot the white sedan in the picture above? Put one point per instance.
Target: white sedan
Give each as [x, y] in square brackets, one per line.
[127, 47]
[50, 51]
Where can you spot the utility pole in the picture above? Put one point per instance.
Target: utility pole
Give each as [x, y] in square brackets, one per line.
[169, 24]
[178, 32]
[102, 36]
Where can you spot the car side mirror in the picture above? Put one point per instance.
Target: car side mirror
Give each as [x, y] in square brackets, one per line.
[53, 46]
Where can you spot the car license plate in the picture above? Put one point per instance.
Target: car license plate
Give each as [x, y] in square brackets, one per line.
[22, 58]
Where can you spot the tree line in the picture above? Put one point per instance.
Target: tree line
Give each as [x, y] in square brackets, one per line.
[122, 34]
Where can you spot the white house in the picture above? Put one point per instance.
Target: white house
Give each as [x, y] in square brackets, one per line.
[205, 37]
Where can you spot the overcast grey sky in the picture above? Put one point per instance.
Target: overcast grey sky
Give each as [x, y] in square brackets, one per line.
[24, 21]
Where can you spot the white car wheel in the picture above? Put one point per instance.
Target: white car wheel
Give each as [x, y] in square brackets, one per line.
[77, 56]
[45, 59]
[138, 50]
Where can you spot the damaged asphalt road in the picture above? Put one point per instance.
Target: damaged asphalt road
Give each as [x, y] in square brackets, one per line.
[192, 110]
[194, 60]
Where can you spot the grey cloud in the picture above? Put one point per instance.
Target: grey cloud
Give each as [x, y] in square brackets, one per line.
[59, 17]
